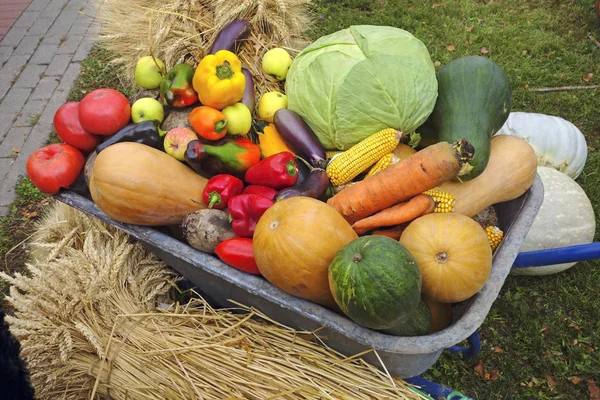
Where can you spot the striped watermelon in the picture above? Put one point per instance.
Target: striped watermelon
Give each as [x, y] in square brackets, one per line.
[375, 281]
[418, 324]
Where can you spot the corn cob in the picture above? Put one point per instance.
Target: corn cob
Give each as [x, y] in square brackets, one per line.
[444, 201]
[329, 154]
[380, 165]
[494, 235]
[361, 156]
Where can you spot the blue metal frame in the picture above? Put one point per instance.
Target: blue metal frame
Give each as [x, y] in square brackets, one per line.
[560, 255]
[469, 351]
[435, 389]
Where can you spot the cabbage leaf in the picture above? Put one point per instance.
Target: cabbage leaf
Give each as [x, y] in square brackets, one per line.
[357, 81]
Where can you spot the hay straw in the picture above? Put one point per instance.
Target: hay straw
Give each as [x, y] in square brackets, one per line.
[129, 340]
[182, 31]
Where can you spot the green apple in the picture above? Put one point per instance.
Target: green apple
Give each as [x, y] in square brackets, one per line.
[176, 142]
[269, 103]
[148, 73]
[239, 119]
[147, 109]
[276, 62]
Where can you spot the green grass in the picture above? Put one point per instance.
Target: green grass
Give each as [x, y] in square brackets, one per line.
[541, 330]
[17, 226]
[97, 71]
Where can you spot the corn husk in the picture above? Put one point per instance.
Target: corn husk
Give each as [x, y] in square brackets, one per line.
[182, 31]
[98, 317]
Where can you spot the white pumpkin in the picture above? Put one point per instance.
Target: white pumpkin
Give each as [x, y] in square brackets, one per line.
[565, 218]
[557, 142]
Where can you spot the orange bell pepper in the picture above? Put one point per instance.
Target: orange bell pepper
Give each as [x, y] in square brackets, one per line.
[219, 80]
[209, 123]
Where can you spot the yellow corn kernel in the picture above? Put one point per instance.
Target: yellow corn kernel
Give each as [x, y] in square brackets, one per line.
[494, 235]
[361, 156]
[444, 201]
[329, 154]
[380, 165]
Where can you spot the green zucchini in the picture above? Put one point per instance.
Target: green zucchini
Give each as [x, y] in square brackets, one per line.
[474, 101]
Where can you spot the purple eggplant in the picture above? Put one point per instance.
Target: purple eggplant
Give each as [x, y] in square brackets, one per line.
[300, 137]
[231, 36]
[314, 185]
[249, 99]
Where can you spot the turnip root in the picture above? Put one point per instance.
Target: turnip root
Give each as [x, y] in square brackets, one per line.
[205, 229]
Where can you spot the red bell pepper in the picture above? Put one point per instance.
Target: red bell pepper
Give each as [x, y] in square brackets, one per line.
[245, 210]
[220, 188]
[261, 190]
[176, 88]
[278, 171]
[238, 253]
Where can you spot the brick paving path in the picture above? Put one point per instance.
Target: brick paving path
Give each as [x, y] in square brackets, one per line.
[10, 11]
[39, 62]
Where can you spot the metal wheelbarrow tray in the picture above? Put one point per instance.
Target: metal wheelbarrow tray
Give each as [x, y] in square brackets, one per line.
[402, 356]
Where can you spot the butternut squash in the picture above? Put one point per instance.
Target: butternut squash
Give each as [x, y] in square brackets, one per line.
[138, 184]
[509, 173]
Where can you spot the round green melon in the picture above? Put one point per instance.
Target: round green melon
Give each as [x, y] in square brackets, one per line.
[418, 324]
[375, 281]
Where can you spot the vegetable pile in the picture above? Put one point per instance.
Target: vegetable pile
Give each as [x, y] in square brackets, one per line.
[356, 186]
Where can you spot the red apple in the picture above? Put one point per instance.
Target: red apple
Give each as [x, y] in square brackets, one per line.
[176, 142]
[104, 112]
[68, 128]
[55, 166]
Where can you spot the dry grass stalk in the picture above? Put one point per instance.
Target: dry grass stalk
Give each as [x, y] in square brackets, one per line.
[183, 30]
[67, 305]
[108, 339]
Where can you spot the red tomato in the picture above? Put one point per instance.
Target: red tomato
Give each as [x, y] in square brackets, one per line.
[55, 166]
[104, 112]
[66, 124]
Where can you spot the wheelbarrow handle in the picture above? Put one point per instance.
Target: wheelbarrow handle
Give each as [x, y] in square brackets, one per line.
[560, 255]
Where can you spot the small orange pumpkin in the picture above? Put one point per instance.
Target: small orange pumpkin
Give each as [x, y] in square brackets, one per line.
[453, 253]
[441, 314]
[294, 242]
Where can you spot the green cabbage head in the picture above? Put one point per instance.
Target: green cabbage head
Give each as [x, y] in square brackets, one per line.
[357, 81]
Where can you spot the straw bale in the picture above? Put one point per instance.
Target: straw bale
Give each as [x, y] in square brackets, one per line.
[131, 340]
[182, 31]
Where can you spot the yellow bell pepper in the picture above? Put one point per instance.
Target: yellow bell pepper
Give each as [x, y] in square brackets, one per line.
[270, 140]
[219, 80]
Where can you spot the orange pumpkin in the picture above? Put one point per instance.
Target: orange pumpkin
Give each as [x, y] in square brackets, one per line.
[138, 184]
[441, 314]
[295, 241]
[453, 253]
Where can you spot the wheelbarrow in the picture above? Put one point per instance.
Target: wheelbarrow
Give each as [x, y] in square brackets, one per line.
[405, 357]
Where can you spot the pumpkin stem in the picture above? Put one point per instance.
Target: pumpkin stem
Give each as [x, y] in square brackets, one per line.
[441, 257]
[356, 258]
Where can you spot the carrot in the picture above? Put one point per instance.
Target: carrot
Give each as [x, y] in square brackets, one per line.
[422, 171]
[394, 232]
[400, 213]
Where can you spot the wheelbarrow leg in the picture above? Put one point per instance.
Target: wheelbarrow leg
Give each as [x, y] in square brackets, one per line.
[435, 390]
[469, 351]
